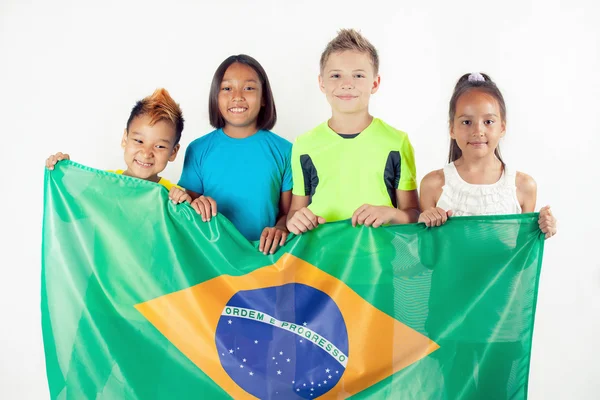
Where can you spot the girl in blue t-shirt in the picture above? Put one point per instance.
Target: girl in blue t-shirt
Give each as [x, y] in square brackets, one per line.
[242, 166]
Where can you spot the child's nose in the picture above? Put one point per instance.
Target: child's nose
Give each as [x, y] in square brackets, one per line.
[347, 83]
[237, 94]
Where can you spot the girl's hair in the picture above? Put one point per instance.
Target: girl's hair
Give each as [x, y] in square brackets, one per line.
[267, 115]
[474, 81]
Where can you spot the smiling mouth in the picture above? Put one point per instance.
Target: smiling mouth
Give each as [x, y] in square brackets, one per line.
[141, 164]
[237, 110]
[346, 97]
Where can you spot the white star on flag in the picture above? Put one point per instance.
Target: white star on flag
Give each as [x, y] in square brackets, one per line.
[273, 358]
[230, 322]
[278, 372]
[241, 366]
[305, 324]
[281, 353]
[251, 373]
[325, 382]
[230, 351]
[256, 341]
[329, 376]
[244, 360]
[288, 360]
[327, 370]
[297, 390]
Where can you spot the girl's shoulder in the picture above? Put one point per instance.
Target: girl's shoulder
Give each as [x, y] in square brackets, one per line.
[434, 180]
[525, 183]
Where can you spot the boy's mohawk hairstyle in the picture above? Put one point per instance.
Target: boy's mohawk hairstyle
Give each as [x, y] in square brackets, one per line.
[350, 39]
[160, 106]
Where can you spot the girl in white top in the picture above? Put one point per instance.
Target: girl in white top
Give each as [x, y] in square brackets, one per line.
[476, 181]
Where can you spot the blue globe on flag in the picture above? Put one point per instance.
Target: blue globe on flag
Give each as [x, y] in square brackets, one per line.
[283, 342]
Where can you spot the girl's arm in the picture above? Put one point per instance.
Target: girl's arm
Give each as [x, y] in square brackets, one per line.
[527, 196]
[431, 190]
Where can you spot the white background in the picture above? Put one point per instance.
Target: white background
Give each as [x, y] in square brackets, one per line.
[70, 73]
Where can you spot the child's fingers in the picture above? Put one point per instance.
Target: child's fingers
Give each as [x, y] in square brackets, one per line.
[426, 218]
[263, 236]
[195, 206]
[443, 215]
[213, 206]
[270, 240]
[284, 236]
[296, 227]
[305, 219]
[292, 227]
[276, 240]
[369, 220]
[356, 213]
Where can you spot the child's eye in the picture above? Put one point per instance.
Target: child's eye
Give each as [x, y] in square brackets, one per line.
[137, 141]
[489, 122]
[225, 89]
[466, 122]
[359, 76]
[335, 76]
[158, 146]
[249, 88]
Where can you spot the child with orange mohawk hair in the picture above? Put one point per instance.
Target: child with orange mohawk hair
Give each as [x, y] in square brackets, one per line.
[150, 141]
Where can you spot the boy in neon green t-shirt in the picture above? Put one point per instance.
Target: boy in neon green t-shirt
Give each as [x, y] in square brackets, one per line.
[352, 166]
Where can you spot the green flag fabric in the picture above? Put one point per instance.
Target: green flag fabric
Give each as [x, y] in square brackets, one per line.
[142, 300]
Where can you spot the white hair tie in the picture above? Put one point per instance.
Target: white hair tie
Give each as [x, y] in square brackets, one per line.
[476, 77]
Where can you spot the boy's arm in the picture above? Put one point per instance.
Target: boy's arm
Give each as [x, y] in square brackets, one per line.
[375, 216]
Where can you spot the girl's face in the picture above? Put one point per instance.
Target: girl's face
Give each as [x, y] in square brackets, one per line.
[478, 125]
[240, 97]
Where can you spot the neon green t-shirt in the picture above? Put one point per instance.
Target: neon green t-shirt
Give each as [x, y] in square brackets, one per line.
[341, 174]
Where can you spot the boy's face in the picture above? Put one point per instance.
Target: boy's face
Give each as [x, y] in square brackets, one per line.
[148, 148]
[348, 80]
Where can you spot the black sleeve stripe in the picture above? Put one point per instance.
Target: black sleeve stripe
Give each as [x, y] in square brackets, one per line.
[391, 175]
[311, 179]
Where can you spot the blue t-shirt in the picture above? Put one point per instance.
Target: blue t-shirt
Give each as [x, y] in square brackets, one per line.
[245, 176]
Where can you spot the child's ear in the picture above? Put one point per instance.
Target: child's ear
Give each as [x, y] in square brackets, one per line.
[321, 83]
[452, 131]
[175, 151]
[124, 139]
[503, 129]
[376, 84]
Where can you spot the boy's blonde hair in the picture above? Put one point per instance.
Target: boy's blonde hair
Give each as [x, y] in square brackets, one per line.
[350, 39]
[159, 106]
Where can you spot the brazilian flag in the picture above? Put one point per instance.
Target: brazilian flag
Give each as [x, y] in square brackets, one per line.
[143, 300]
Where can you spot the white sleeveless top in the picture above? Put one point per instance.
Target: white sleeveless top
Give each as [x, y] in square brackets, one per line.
[467, 199]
